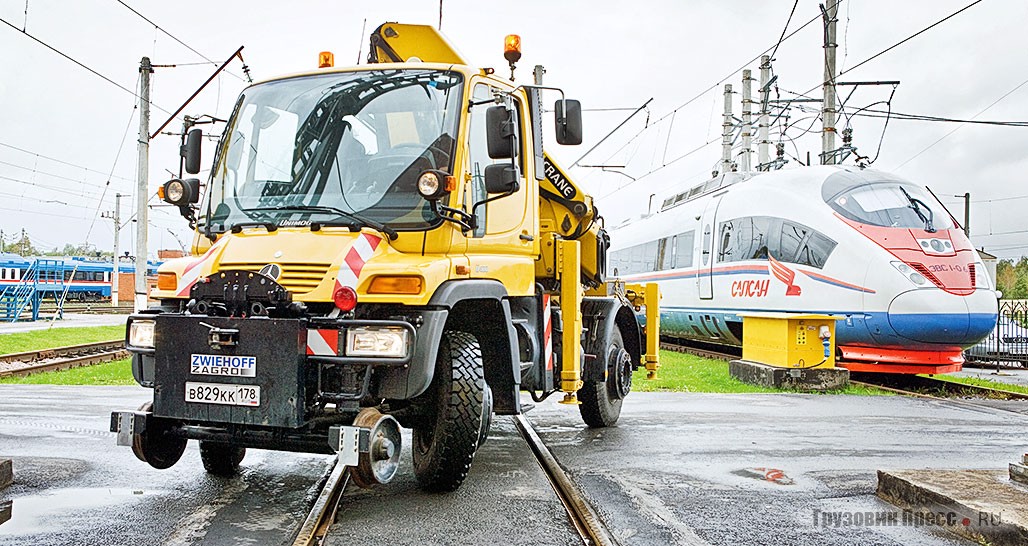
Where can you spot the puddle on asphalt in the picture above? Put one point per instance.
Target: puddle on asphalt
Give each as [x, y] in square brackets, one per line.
[36, 513]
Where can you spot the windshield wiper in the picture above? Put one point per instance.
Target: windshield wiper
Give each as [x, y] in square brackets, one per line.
[916, 204]
[360, 220]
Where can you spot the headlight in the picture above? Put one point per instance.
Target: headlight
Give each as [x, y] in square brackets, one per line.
[175, 191]
[908, 272]
[388, 341]
[141, 333]
[433, 184]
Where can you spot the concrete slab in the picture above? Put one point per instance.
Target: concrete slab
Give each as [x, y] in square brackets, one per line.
[5, 511]
[1018, 472]
[980, 505]
[6, 473]
[811, 379]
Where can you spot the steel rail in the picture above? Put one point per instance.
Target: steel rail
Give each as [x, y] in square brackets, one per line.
[321, 516]
[583, 516]
[55, 352]
[908, 384]
[65, 363]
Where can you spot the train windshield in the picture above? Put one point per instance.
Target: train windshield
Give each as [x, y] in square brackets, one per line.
[871, 198]
[343, 148]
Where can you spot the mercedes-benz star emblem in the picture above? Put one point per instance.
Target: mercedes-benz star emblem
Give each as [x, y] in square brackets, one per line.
[271, 271]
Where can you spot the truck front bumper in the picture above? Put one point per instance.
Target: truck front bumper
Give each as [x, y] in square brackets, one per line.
[275, 373]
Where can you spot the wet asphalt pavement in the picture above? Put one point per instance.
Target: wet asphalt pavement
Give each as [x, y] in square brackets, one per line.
[761, 469]
[678, 469]
[74, 486]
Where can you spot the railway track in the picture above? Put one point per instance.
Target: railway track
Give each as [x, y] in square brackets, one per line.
[583, 517]
[96, 308]
[60, 358]
[910, 385]
[932, 387]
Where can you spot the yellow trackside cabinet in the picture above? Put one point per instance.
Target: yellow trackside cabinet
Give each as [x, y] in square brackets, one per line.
[789, 340]
[380, 246]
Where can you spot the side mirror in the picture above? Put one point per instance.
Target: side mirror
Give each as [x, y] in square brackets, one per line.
[501, 178]
[499, 132]
[190, 151]
[181, 193]
[568, 118]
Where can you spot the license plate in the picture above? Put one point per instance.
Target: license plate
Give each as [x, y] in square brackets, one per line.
[220, 393]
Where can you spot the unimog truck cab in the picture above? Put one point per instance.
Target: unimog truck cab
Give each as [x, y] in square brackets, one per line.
[382, 246]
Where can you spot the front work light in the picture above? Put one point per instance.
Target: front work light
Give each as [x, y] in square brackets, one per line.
[387, 341]
[433, 184]
[141, 334]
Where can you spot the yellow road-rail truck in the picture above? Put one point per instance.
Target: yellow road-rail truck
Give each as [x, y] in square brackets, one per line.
[381, 246]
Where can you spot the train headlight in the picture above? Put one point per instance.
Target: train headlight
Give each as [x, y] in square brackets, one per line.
[387, 341]
[908, 272]
[141, 334]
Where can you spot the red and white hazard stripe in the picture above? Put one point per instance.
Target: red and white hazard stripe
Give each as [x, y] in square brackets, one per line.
[547, 333]
[192, 273]
[350, 270]
[322, 342]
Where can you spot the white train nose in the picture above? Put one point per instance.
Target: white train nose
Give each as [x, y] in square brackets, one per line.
[931, 316]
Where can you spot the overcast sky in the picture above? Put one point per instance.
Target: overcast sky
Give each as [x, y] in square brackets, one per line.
[609, 54]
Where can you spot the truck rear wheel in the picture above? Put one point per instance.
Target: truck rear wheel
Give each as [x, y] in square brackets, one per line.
[601, 400]
[446, 440]
[221, 459]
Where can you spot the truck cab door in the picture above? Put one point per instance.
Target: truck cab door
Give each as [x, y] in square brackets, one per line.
[503, 244]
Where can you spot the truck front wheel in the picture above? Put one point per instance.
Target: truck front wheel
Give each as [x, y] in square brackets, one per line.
[446, 439]
[221, 459]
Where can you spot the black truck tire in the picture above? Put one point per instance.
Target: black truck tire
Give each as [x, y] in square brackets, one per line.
[221, 459]
[446, 440]
[600, 404]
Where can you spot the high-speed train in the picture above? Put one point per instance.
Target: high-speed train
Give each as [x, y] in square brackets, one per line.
[878, 251]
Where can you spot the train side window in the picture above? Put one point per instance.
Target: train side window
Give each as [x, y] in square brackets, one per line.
[684, 248]
[819, 248]
[760, 230]
[804, 246]
[727, 240]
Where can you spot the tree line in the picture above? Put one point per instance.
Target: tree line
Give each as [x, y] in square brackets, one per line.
[1012, 278]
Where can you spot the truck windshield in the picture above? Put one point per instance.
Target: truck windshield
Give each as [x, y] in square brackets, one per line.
[335, 148]
[870, 198]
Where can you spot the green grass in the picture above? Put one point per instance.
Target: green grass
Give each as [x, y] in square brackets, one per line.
[687, 373]
[983, 383]
[58, 337]
[117, 372]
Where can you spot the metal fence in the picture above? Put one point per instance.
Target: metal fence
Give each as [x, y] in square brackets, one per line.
[1008, 342]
